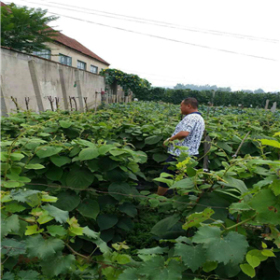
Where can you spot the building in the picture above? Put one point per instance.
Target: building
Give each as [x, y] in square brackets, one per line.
[68, 51]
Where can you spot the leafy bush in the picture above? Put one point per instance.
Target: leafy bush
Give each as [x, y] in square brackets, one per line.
[78, 196]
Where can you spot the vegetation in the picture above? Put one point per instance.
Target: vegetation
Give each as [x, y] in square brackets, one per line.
[142, 89]
[78, 196]
[129, 82]
[25, 29]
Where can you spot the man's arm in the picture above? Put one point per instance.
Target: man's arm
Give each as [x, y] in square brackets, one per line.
[179, 136]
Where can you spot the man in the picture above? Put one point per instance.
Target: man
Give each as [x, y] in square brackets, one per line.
[190, 129]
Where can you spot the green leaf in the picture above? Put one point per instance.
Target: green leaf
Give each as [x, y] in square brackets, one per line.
[267, 206]
[156, 250]
[67, 201]
[47, 151]
[58, 214]
[11, 247]
[42, 248]
[88, 153]
[238, 207]
[116, 189]
[49, 198]
[129, 209]
[164, 225]
[231, 248]
[268, 253]
[14, 207]
[30, 230]
[10, 224]
[235, 183]
[34, 166]
[195, 219]
[17, 178]
[54, 173]
[160, 157]
[17, 156]
[272, 143]
[90, 233]
[28, 275]
[89, 208]
[60, 160]
[275, 187]
[23, 194]
[106, 221]
[130, 274]
[248, 270]
[57, 265]
[44, 218]
[117, 175]
[104, 149]
[56, 230]
[151, 140]
[79, 178]
[186, 184]
[209, 266]
[206, 235]
[193, 256]
[9, 276]
[154, 268]
[255, 257]
[65, 124]
[125, 223]
[11, 184]
[122, 259]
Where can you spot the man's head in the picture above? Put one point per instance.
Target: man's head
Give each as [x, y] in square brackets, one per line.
[189, 105]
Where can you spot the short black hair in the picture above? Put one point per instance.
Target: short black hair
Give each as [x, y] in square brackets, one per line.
[191, 101]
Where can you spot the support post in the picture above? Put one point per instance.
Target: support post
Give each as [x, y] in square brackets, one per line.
[79, 90]
[63, 88]
[4, 111]
[36, 86]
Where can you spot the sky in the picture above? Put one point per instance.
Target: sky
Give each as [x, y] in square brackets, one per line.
[224, 43]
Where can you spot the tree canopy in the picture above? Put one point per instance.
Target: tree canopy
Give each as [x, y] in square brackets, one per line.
[25, 29]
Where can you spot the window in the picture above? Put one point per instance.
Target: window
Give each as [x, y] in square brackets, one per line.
[93, 69]
[43, 53]
[64, 59]
[81, 65]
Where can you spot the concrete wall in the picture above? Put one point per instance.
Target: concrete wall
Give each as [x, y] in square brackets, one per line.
[57, 49]
[25, 75]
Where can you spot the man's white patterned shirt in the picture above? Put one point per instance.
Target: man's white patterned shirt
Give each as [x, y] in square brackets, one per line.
[194, 124]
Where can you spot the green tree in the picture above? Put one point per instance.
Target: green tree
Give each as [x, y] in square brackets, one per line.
[25, 29]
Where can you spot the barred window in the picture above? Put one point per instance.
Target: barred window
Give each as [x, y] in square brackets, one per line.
[64, 59]
[93, 69]
[81, 65]
[43, 53]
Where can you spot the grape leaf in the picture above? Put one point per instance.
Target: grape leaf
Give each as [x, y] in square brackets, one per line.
[28, 275]
[192, 256]
[42, 248]
[57, 264]
[58, 214]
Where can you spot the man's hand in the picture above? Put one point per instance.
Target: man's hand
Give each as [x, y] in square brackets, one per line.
[166, 142]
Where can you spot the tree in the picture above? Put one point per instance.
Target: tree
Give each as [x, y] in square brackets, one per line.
[25, 29]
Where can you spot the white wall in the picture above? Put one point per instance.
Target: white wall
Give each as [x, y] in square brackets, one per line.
[17, 80]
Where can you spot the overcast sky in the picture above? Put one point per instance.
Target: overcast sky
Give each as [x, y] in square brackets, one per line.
[223, 43]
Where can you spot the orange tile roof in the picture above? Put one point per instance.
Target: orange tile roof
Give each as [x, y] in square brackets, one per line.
[75, 45]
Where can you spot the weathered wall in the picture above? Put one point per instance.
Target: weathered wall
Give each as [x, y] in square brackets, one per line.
[39, 79]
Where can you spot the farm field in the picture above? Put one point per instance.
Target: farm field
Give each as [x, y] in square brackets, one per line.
[78, 196]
